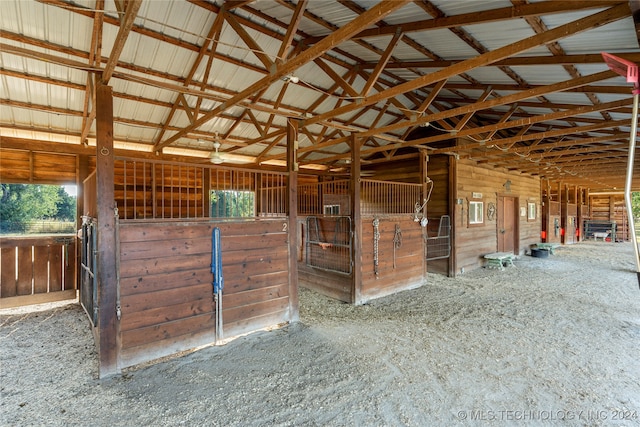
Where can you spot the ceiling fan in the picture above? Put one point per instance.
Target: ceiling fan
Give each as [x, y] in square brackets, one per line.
[215, 157]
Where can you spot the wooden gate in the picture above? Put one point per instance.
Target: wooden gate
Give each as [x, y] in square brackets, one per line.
[35, 270]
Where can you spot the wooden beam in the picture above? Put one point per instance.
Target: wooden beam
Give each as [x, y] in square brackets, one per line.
[377, 12]
[346, 87]
[95, 55]
[375, 74]
[212, 39]
[292, 191]
[255, 48]
[121, 38]
[572, 28]
[474, 18]
[356, 216]
[508, 99]
[108, 345]
[461, 124]
[509, 62]
[298, 13]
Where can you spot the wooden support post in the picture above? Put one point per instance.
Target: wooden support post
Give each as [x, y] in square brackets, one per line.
[107, 291]
[292, 169]
[206, 189]
[356, 289]
[426, 184]
[454, 212]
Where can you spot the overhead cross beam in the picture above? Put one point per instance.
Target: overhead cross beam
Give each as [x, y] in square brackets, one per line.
[580, 25]
[377, 12]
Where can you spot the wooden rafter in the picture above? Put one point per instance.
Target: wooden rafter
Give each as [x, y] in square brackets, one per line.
[374, 14]
[597, 19]
[212, 37]
[494, 15]
[298, 13]
[95, 54]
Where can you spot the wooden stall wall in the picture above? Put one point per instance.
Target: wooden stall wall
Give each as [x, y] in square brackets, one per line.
[610, 208]
[166, 284]
[473, 241]
[401, 262]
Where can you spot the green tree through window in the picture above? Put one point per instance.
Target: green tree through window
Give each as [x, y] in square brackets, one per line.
[232, 204]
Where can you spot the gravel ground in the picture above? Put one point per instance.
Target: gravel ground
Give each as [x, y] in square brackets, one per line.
[551, 341]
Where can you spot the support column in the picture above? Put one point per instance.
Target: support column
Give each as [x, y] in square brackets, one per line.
[106, 271]
[426, 183]
[356, 217]
[454, 211]
[292, 191]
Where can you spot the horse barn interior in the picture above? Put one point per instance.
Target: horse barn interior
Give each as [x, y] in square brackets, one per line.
[349, 147]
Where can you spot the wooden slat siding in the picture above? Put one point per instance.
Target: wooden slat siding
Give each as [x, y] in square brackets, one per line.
[248, 311]
[158, 282]
[142, 319]
[174, 328]
[70, 267]
[54, 168]
[48, 168]
[163, 265]
[55, 268]
[328, 283]
[25, 271]
[410, 261]
[40, 273]
[167, 300]
[472, 243]
[8, 272]
[245, 326]
[165, 347]
[439, 173]
[255, 296]
[15, 166]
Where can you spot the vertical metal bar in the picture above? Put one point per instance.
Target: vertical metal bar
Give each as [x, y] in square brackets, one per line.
[124, 187]
[628, 183]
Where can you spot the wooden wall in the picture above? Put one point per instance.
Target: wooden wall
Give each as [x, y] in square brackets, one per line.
[471, 243]
[410, 263]
[166, 284]
[23, 166]
[611, 207]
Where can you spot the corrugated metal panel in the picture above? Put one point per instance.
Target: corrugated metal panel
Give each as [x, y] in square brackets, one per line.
[542, 74]
[600, 39]
[509, 32]
[444, 44]
[450, 8]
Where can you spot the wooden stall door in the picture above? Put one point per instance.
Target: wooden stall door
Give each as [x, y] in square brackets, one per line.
[507, 221]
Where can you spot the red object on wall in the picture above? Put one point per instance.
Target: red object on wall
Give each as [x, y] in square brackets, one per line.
[543, 236]
[562, 232]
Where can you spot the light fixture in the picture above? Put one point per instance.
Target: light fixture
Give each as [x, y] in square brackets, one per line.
[292, 79]
[215, 157]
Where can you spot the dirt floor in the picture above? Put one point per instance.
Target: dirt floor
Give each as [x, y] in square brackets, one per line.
[551, 341]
